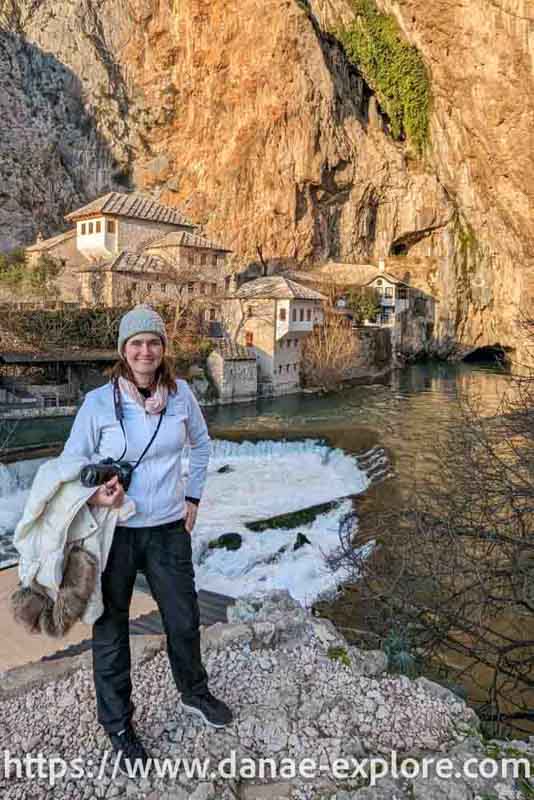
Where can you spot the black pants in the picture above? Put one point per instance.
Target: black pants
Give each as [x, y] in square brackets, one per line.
[163, 553]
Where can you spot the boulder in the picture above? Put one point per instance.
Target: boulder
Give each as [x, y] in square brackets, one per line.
[230, 541]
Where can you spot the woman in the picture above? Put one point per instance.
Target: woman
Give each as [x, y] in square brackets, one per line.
[143, 416]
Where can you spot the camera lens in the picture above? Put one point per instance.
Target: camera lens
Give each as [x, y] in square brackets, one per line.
[89, 476]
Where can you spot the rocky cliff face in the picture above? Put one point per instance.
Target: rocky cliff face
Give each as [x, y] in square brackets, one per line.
[250, 117]
[480, 56]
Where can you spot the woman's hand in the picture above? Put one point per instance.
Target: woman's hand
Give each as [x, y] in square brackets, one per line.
[191, 511]
[110, 494]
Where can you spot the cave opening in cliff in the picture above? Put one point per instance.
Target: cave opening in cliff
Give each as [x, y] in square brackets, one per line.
[490, 354]
[399, 249]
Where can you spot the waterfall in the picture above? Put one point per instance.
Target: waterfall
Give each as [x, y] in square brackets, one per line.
[265, 448]
[18, 476]
[265, 479]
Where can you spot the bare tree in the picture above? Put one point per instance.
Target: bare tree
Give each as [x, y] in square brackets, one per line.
[329, 353]
[453, 563]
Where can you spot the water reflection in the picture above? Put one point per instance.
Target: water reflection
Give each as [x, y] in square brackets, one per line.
[406, 413]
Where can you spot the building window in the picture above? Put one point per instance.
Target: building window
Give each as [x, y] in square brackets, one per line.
[134, 286]
[83, 228]
[294, 315]
[110, 226]
[164, 288]
[402, 293]
[214, 261]
[420, 306]
[214, 288]
[90, 227]
[249, 338]
[389, 291]
[202, 288]
[149, 287]
[308, 314]
[203, 258]
[191, 288]
[227, 281]
[249, 311]
[98, 226]
[283, 314]
[189, 259]
[379, 282]
[302, 315]
[212, 314]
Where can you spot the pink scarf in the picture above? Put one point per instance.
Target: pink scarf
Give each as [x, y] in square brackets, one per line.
[152, 405]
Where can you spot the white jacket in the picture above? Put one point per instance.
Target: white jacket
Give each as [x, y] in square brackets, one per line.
[158, 487]
[55, 515]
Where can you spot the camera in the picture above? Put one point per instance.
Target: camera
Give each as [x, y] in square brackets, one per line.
[97, 474]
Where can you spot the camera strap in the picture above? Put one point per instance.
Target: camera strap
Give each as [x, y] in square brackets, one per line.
[119, 413]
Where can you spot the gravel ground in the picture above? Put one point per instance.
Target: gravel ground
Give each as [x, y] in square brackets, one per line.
[290, 699]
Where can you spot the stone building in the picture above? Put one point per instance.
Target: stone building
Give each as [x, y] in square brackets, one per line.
[129, 246]
[407, 310]
[393, 296]
[117, 222]
[234, 372]
[273, 315]
[128, 279]
[63, 249]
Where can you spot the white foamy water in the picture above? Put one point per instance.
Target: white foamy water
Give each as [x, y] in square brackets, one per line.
[273, 478]
[267, 478]
[15, 482]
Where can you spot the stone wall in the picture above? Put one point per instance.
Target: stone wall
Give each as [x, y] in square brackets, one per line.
[260, 322]
[234, 380]
[135, 234]
[66, 286]
[413, 332]
[374, 353]
[286, 364]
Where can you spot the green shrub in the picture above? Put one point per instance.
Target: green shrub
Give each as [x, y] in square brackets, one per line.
[339, 654]
[17, 273]
[400, 652]
[393, 68]
[364, 301]
[13, 268]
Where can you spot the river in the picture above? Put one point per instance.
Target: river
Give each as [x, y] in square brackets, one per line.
[269, 475]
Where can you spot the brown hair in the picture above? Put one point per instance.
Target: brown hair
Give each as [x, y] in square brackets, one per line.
[165, 373]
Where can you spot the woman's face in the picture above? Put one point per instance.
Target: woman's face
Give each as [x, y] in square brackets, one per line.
[143, 354]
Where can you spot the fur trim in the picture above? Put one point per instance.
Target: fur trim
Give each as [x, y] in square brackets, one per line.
[32, 606]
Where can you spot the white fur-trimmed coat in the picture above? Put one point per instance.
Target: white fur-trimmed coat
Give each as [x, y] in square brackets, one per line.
[63, 546]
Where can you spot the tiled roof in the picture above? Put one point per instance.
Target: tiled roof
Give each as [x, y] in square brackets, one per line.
[136, 206]
[388, 277]
[46, 244]
[278, 287]
[231, 351]
[187, 239]
[132, 262]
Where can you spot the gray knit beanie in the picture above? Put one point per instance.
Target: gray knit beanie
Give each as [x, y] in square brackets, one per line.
[141, 319]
